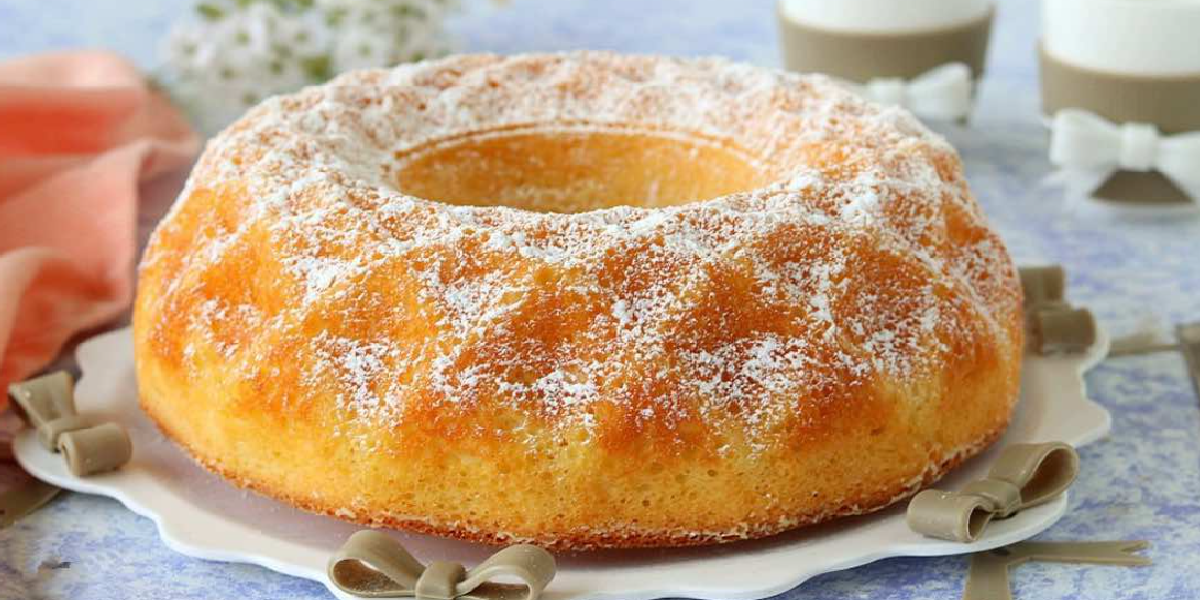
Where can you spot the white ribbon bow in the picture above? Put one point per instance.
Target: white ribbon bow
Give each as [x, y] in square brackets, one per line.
[1089, 149]
[941, 94]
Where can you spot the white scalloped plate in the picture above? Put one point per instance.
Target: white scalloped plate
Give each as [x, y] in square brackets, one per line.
[200, 515]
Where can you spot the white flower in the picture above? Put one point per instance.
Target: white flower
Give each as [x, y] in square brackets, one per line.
[181, 45]
[327, 6]
[243, 51]
[361, 48]
[421, 43]
[244, 36]
[260, 23]
[306, 35]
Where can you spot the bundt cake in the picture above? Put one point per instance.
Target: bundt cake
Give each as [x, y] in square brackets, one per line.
[582, 300]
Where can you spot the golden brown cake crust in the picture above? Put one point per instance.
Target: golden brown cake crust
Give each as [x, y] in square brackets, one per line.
[823, 343]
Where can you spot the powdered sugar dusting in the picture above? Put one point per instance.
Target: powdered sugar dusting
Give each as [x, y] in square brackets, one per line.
[864, 257]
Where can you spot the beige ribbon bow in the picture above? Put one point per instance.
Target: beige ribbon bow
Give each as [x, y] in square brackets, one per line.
[48, 404]
[1054, 325]
[374, 565]
[1025, 475]
[988, 577]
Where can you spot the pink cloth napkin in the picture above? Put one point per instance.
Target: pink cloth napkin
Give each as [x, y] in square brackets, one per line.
[78, 132]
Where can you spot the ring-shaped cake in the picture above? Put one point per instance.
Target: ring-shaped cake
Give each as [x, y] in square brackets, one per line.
[583, 300]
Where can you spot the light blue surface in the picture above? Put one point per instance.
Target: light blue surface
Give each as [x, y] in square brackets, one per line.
[1141, 482]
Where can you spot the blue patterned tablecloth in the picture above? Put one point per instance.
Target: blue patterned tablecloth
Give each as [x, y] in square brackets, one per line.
[1143, 481]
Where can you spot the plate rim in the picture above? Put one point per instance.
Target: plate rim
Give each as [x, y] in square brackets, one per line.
[159, 506]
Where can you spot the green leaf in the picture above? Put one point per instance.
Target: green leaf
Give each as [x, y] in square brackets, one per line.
[317, 68]
[210, 12]
[335, 17]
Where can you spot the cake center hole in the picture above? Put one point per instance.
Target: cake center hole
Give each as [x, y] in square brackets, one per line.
[569, 170]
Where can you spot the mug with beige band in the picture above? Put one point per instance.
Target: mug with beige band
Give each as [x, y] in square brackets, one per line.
[1121, 95]
[923, 55]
